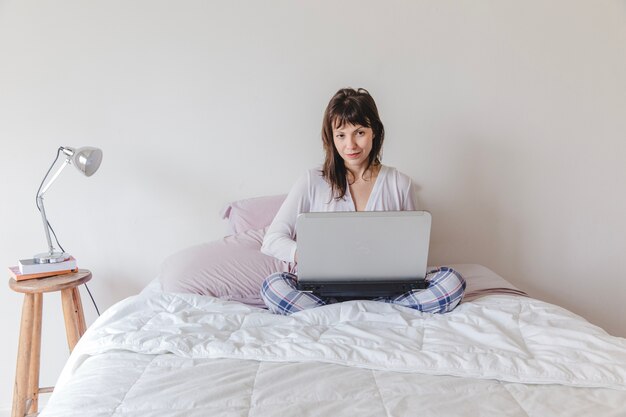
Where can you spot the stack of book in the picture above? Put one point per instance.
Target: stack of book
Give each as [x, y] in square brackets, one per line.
[29, 269]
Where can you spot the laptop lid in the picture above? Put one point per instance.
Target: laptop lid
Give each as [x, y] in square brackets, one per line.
[363, 246]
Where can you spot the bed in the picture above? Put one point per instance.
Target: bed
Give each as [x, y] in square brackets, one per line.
[186, 353]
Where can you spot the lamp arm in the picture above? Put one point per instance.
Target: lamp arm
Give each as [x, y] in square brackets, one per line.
[46, 228]
[54, 177]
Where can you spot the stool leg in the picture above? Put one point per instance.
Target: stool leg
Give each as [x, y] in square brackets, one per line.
[20, 390]
[35, 354]
[82, 327]
[71, 315]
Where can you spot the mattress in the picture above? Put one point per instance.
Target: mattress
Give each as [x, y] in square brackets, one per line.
[499, 353]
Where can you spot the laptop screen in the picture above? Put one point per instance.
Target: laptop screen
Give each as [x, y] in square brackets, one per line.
[363, 246]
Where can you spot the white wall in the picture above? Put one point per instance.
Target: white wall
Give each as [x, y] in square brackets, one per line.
[509, 115]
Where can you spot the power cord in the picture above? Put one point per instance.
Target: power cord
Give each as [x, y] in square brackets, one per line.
[50, 226]
[92, 300]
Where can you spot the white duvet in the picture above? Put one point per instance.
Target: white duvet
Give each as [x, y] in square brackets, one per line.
[505, 338]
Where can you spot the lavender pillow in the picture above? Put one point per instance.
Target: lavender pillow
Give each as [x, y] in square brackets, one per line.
[252, 213]
[231, 268]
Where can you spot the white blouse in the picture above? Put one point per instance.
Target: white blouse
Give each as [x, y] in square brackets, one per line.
[392, 191]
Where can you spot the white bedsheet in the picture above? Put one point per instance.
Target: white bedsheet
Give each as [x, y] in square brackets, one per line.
[499, 343]
[129, 384]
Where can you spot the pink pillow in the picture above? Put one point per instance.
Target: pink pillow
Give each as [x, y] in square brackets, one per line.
[231, 268]
[252, 213]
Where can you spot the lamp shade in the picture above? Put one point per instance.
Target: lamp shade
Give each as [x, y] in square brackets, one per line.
[87, 159]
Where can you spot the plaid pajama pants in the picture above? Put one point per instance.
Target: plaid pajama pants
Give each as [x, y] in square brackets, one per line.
[445, 291]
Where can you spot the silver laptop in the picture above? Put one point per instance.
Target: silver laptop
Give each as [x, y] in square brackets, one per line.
[362, 254]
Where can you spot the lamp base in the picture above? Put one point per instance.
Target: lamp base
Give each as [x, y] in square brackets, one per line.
[51, 257]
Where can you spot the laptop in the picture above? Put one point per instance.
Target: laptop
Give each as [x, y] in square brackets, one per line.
[364, 254]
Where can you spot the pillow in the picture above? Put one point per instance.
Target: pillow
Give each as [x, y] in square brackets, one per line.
[231, 268]
[252, 213]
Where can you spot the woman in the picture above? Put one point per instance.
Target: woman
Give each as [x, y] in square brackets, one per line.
[351, 179]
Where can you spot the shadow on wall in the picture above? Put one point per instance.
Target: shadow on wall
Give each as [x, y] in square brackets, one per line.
[480, 218]
[154, 212]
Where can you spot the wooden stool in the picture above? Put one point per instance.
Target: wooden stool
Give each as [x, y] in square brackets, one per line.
[26, 390]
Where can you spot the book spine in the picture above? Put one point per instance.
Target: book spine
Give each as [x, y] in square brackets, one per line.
[15, 273]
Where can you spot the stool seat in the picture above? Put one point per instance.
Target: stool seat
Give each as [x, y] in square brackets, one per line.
[51, 284]
[26, 389]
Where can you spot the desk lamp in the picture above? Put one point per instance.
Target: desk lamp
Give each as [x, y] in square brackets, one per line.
[86, 160]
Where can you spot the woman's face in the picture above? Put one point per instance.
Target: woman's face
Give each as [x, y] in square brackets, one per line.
[354, 144]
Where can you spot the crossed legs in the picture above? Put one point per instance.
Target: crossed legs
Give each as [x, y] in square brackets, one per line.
[445, 291]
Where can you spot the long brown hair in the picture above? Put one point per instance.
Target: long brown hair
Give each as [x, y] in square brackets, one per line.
[356, 107]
